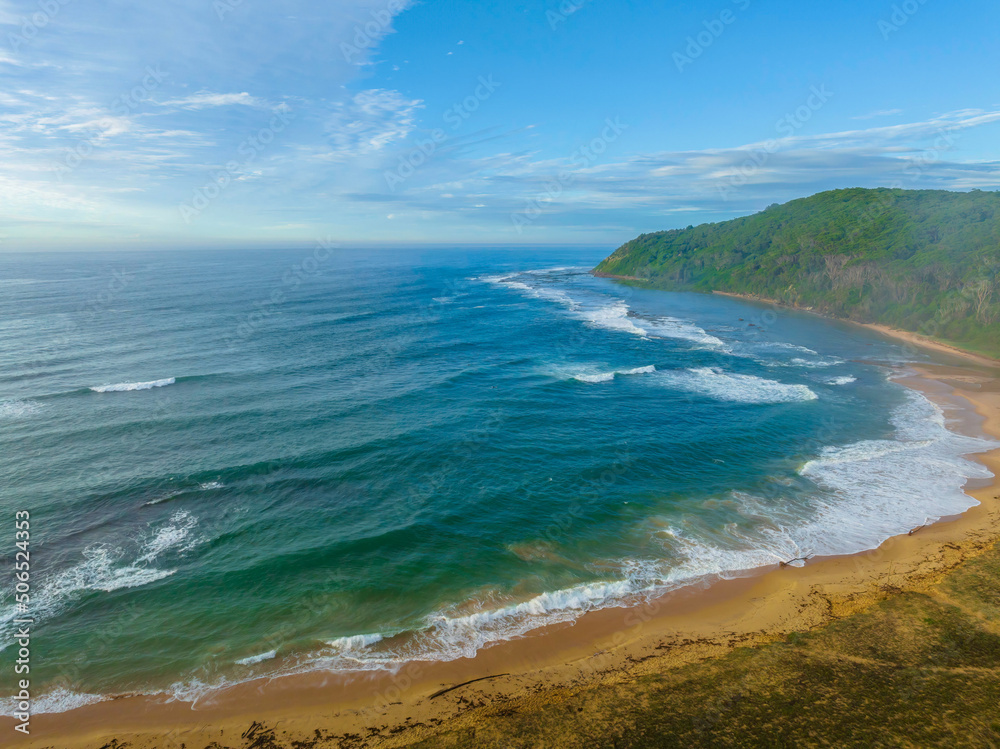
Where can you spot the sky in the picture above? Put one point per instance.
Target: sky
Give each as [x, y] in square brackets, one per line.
[279, 123]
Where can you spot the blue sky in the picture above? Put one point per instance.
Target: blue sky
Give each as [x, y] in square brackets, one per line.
[248, 123]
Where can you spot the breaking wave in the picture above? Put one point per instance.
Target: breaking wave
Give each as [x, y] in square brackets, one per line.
[129, 386]
[736, 388]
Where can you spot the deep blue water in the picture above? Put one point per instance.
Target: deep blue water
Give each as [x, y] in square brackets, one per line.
[248, 463]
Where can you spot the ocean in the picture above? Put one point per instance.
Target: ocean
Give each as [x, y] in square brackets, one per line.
[246, 464]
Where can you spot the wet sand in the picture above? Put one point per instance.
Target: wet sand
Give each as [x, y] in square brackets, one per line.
[610, 646]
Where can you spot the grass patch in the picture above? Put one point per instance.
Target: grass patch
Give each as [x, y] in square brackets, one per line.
[916, 670]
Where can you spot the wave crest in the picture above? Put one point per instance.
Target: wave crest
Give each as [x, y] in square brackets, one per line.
[103, 570]
[608, 376]
[123, 387]
[737, 388]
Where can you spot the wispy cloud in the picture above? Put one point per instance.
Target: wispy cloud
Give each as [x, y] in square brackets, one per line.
[879, 113]
[205, 99]
[711, 182]
[371, 121]
[112, 127]
[105, 125]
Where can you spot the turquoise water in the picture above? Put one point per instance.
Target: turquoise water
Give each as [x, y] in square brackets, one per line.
[241, 464]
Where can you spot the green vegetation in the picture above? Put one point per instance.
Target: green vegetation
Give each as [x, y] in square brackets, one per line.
[927, 261]
[918, 669]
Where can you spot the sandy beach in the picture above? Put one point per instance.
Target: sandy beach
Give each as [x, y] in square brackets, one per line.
[613, 646]
[915, 341]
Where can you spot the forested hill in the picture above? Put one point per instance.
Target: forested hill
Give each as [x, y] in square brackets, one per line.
[927, 261]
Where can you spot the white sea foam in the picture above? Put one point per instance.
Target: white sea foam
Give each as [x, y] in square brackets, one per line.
[559, 269]
[97, 572]
[618, 316]
[208, 485]
[100, 571]
[175, 536]
[861, 452]
[60, 700]
[104, 569]
[18, 409]
[831, 362]
[269, 655]
[552, 295]
[128, 386]
[639, 370]
[594, 378]
[498, 278]
[354, 642]
[722, 553]
[352, 653]
[798, 361]
[866, 492]
[444, 636]
[844, 380]
[671, 327]
[614, 316]
[737, 388]
[876, 489]
[450, 637]
[769, 353]
[447, 636]
[784, 346]
[510, 281]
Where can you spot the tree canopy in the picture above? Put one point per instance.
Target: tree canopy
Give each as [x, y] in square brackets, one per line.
[927, 261]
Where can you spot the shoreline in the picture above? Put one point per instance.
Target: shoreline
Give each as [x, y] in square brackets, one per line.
[913, 339]
[921, 341]
[613, 645]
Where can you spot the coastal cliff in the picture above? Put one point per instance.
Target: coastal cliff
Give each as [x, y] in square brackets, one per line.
[925, 261]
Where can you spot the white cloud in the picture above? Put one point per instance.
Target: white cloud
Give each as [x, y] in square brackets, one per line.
[371, 121]
[721, 182]
[205, 99]
[70, 101]
[883, 137]
[152, 109]
[879, 113]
